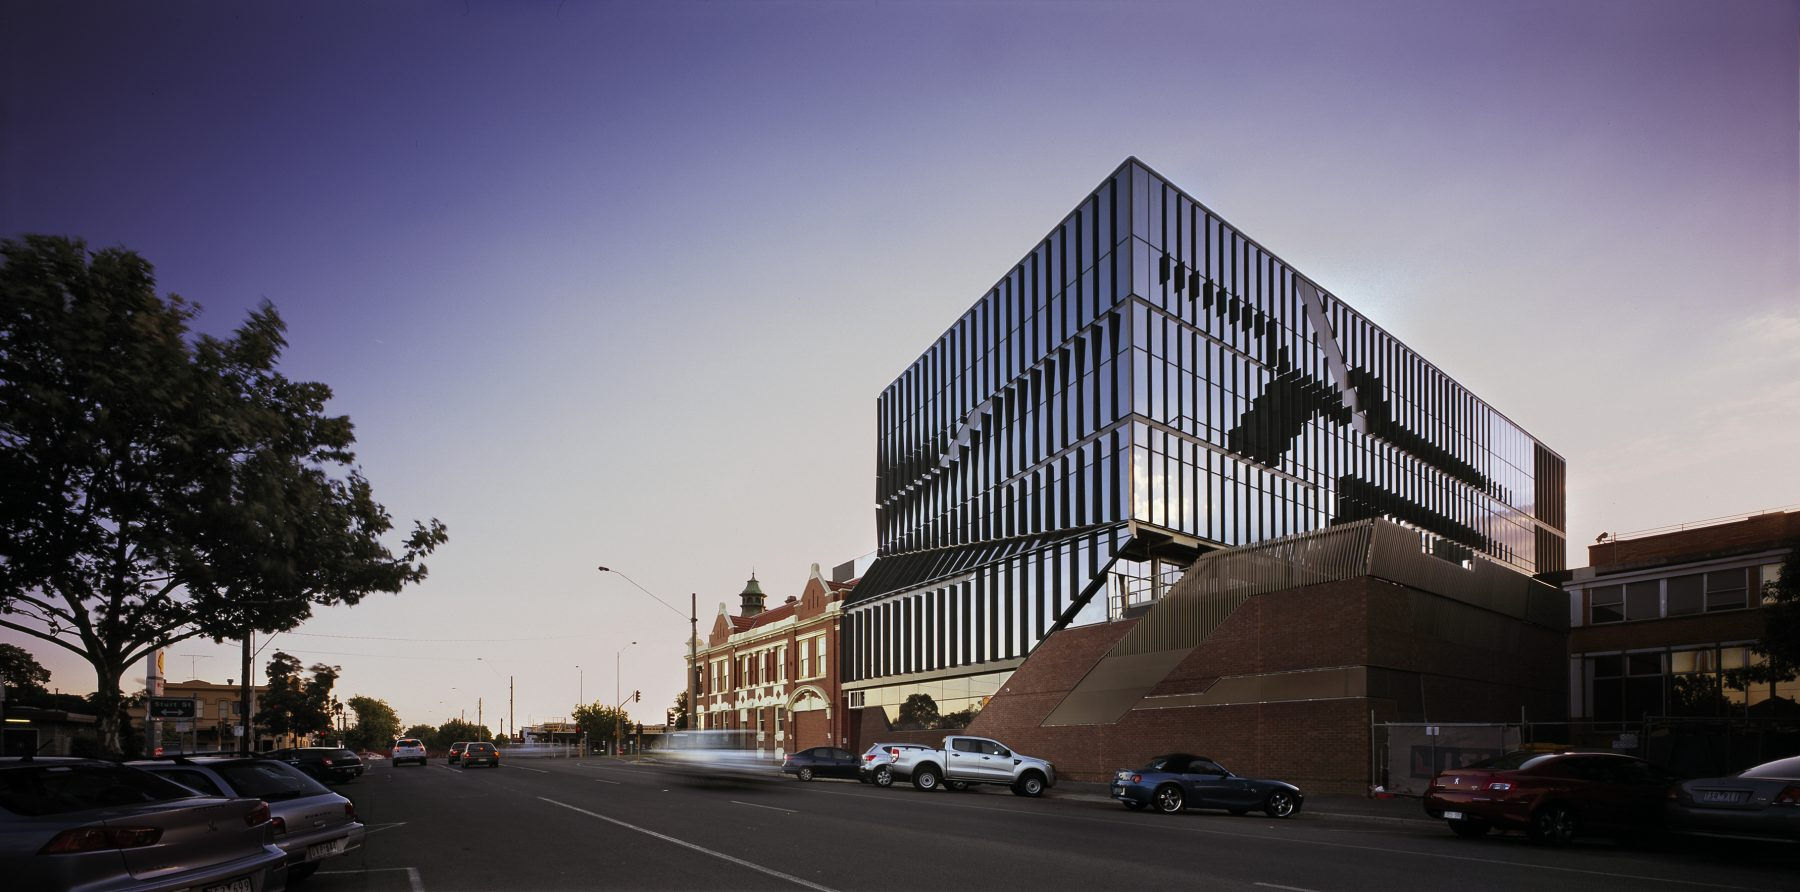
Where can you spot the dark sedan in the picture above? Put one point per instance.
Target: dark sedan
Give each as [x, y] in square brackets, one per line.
[1553, 797]
[821, 761]
[480, 754]
[330, 764]
[1762, 801]
[1178, 781]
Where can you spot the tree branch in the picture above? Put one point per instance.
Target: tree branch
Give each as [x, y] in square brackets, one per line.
[45, 636]
[159, 642]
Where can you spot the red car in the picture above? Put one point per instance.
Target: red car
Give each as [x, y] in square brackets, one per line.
[1553, 797]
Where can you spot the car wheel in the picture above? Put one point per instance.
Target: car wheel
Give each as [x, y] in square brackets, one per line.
[927, 779]
[301, 871]
[1469, 829]
[1553, 825]
[1132, 804]
[1032, 784]
[806, 774]
[884, 777]
[1169, 800]
[1280, 804]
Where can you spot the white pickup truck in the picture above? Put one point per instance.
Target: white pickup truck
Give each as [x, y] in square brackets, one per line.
[974, 760]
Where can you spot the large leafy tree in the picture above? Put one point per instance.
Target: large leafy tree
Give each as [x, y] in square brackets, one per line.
[457, 730]
[1780, 644]
[160, 485]
[918, 711]
[376, 724]
[600, 721]
[678, 714]
[21, 673]
[294, 703]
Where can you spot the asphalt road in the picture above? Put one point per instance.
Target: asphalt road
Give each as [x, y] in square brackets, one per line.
[596, 824]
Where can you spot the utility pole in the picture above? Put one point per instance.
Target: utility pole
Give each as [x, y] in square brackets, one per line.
[246, 743]
[478, 721]
[510, 723]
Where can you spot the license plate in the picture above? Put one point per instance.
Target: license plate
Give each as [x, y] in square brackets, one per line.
[325, 849]
[238, 884]
[1118, 791]
[1453, 816]
[1730, 797]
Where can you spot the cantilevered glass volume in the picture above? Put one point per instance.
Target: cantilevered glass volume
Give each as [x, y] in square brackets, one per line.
[1147, 384]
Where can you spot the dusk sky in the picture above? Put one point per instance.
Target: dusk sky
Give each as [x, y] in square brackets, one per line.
[620, 283]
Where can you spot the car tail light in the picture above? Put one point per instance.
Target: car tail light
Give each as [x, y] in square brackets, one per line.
[1137, 778]
[868, 757]
[1499, 786]
[1789, 796]
[280, 824]
[257, 815]
[350, 810]
[94, 839]
[326, 761]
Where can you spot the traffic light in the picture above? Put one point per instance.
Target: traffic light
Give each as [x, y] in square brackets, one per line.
[636, 696]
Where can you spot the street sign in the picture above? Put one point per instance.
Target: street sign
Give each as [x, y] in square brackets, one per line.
[171, 708]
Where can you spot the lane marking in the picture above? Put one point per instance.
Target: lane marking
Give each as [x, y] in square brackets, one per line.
[601, 780]
[769, 807]
[412, 875]
[371, 830]
[698, 848]
[1288, 888]
[538, 770]
[1306, 842]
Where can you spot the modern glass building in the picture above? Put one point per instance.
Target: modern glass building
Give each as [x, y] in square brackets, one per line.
[1145, 385]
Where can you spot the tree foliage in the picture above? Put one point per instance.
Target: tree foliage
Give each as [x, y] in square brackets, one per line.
[295, 704]
[424, 733]
[918, 711]
[376, 724]
[1780, 643]
[21, 673]
[678, 714]
[599, 721]
[457, 730]
[160, 485]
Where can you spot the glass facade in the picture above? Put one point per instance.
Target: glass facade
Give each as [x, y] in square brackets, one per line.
[1148, 376]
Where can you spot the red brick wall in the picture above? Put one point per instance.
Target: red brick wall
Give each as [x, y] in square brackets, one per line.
[1753, 534]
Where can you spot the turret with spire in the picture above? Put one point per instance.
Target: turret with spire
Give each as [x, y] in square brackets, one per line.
[752, 597]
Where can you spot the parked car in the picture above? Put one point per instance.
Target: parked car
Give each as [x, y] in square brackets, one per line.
[456, 750]
[1762, 801]
[877, 763]
[821, 761]
[974, 760]
[480, 754]
[330, 764]
[1176, 782]
[1553, 797]
[310, 822]
[407, 749]
[86, 824]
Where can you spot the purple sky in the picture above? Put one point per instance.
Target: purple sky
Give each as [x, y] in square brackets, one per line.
[607, 283]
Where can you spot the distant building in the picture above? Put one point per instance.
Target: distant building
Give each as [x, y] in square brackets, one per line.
[774, 671]
[1658, 618]
[216, 715]
[30, 731]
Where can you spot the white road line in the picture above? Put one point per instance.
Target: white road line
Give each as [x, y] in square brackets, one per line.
[1288, 888]
[538, 770]
[698, 848]
[412, 875]
[1173, 825]
[601, 780]
[371, 829]
[770, 807]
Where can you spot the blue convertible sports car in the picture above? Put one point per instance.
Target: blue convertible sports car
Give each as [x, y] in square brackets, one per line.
[1179, 781]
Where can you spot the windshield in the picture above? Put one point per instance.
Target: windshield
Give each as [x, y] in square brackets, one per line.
[55, 789]
[268, 780]
[1511, 761]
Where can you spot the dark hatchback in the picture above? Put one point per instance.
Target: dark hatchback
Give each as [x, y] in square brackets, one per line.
[822, 761]
[333, 765]
[1553, 797]
[480, 754]
[1176, 782]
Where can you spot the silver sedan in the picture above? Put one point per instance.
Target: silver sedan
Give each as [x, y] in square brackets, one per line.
[311, 823]
[1763, 801]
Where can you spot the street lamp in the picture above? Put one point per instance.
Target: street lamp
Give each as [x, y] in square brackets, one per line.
[693, 619]
[580, 685]
[616, 735]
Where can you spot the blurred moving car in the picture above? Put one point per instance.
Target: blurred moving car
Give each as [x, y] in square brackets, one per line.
[1179, 781]
[330, 764]
[1553, 797]
[310, 822]
[1763, 801]
[821, 761]
[456, 750]
[86, 824]
[716, 755]
[480, 754]
[878, 762]
[407, 749]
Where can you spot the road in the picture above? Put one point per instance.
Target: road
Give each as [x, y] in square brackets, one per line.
[599, 824]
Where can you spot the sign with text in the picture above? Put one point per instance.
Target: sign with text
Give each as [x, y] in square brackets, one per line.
[171, 708]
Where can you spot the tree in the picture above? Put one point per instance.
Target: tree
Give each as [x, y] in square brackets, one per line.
[918, 711]
[162, 486]
[678, 714]
[296, 705]
[21, 673]
[425, 734]
[376, 724]
[457, 730]
[956, 721]
[1779, 646]
[598, 721]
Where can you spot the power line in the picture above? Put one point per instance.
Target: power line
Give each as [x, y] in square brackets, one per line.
[434, 640]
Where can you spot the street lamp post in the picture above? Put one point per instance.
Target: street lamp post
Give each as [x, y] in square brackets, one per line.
[693, 619]
[616, 734]
[580, 685]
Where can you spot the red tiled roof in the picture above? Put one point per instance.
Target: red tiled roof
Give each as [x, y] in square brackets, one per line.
[766, 617]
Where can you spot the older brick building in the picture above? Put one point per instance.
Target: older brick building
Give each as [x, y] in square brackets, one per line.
[775, 671]
[1658, 619]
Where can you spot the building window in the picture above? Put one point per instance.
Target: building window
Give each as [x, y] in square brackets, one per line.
[806, 658]
[819, 667]
[856, 699]
[1643, 600]
[1606, 604]
[1725, 590]
[1687, 594]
